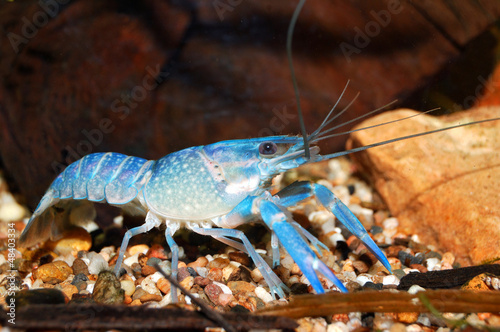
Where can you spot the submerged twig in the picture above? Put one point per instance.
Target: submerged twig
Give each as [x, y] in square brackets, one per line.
[387, 301]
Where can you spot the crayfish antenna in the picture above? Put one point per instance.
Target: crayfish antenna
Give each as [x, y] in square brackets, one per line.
[289, 36]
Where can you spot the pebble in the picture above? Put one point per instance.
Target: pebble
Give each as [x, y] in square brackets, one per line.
[157, 251]
[182, 273]
[147, 270]
[128, 286]
[163, 285]
[239, 257]
[79, 266]
[447, 261]
[53, 273]
[213, 291]
[407, 317]
[97, 263]
[395, 263]
[360, 266]
[264, 295]
[337, 327]
[240, 287]
[228, 270]
[199, 262]
[225, 299]
[414, 289]
[218, 263]
[138, 249]
[138, 293]
[149, 285]
[391, 223]
[433, 264]
[73, 241]
[202, 271]
[69, 290]
[187, 283]
[215, 274]
[390, 280]
[107, 289]
[150, 298]
[131, 260]
[477, 283]
[200, 281]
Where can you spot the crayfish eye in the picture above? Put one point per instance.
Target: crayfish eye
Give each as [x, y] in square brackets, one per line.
[268, 148]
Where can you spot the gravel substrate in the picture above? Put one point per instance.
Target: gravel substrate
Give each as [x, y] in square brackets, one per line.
[227, 279]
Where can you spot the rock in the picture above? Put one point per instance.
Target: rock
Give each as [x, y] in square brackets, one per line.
[240, 287]
[182, 273]
[79, 266]
[215, 274]
[69, 290]
[71, 242]
[139, 292]
[213, 291]
[200, 281]
[107, 289]
[200, 262]
[163, 285]
[128, 287]
[187, 283]
[219, 263]
[443, 186]
[240, 257]
[150, 298]
[157, 251]
[477, 284]
[147, 270]
[53, 273]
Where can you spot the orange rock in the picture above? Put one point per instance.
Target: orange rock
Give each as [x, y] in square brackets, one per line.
[476, 284]
[150, 298]
[407, 317]
[444, 186]
[53, 273]
[72, 241]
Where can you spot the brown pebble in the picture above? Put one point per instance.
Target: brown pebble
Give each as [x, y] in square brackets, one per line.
[139, 280]
[200, 262]
[157, 251]
[201, 281]
[182, 273]
[213, 291]
[138, 293]
[136, 302]
[150, 298]
[142, 259]
[344, 318]
[393, 251]
[69, 290]
[127, 300]
[163, 285]
[147, 270]
[240, 287]
[419, 267]
[219, 263]
[360, 266]
[187, 282]
[215, 274]
[79, 266]
[240, 257]
[353, 242]
[53, 273]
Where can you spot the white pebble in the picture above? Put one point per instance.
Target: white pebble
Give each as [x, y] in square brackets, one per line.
[129, 261]
[336, 237]
[337, 327]
[414, 328]
[261, 251]
[209, 258]
[363, 279]
[321, 217]
[362, 213]
[68, 259]
[433, 264]
[118, 220]
[363, 191]
[263, 294]
[337, 172]
[225, 289]
[424, 320]
[166, 266]
[37, 284]
[150, 286]
[2, 259]
[155, 276]
[391, 223]
[415, 289]
[202, 271]
[90, 286]
[11, 211]
[390, 280]
[287, 262]
[97, 263]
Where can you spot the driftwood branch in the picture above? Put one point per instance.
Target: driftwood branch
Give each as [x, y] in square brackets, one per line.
[387, 301]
